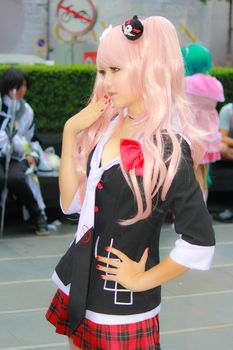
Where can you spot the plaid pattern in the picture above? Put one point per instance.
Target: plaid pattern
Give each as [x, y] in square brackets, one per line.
[142, 335]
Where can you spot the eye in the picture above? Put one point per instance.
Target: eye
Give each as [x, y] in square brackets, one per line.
[101, 72]
[114, 69]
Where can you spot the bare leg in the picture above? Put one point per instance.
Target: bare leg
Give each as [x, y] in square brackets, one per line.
[72, 346]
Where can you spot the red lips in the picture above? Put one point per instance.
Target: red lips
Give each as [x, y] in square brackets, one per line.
[111, 94]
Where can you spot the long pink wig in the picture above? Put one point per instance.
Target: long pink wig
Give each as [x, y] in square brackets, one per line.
[156, 72]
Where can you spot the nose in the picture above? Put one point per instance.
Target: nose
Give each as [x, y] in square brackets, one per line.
[107, 80]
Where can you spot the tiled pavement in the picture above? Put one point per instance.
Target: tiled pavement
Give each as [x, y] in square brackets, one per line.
[197, 310]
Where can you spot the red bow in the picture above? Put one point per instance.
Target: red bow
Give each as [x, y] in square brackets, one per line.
[132, 156]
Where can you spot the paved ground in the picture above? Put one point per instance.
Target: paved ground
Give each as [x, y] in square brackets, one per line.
[197, 311]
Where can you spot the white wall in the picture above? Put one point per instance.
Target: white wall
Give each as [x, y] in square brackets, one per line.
[22, 22]
[219, 24]
[207, 23]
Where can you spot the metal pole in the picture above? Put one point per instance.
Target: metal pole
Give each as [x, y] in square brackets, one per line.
[45, 4]
[48, 29]
[229, 37]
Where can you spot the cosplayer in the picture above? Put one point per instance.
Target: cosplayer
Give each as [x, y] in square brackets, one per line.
[132, 163]
[26, 155]
[204, 92]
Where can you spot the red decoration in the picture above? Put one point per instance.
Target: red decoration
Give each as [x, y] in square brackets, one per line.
[87, 236]
[132, 156]
[99, 186]
[89, 57]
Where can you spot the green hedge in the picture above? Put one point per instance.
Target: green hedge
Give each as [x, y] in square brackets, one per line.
[57, 92]
[225, 75]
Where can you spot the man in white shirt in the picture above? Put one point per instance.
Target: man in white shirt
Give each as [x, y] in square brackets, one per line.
[24, 156]
[226, 129]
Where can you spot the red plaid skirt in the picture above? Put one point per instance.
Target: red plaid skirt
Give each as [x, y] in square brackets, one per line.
[142, 335]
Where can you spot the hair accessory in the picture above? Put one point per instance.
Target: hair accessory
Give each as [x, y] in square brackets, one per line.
[133, 28]
[106, 30]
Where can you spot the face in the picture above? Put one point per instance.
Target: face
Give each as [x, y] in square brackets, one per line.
[20, 92]
[118, 87]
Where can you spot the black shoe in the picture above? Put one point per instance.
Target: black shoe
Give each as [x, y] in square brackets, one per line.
[225, 216]
[42, 231]
[42, 225]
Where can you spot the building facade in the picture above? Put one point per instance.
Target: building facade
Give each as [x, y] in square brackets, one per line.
[55, 29]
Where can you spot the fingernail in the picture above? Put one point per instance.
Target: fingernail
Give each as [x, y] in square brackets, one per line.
[105, 96]
[106, 248]
[148, 249]
[106, 102]
[102, 276]
[101, 111]
[97, 266]
[97, 257]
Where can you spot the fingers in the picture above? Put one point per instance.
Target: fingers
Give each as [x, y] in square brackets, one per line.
[117, 252]
[102, 104]
[122, 257]
[109, 277]
[109, 262]
[108, 270]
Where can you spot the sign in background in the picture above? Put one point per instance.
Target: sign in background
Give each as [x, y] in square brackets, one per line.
[190, 14]
[31, 26]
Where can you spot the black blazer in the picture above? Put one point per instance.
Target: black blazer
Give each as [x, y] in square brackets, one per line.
[115, 201]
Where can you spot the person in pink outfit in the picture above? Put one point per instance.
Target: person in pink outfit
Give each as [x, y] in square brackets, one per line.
[204, 92]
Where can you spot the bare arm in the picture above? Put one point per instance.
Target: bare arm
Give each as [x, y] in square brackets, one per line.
[226, 151]
[226, 145]
[225, 138]
[68, 180]
[165, 271]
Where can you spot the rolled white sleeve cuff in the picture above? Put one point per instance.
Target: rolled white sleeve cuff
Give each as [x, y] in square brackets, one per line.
[59, 284]
[75, 205]
[192, 256]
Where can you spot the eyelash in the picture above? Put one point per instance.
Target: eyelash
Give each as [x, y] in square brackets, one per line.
[113, 69]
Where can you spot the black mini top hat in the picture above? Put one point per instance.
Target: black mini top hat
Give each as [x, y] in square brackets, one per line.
[133, 28]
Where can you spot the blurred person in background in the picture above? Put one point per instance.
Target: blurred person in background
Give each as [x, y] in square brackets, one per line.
[226, 129]
[204, 92]
[22, 181]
